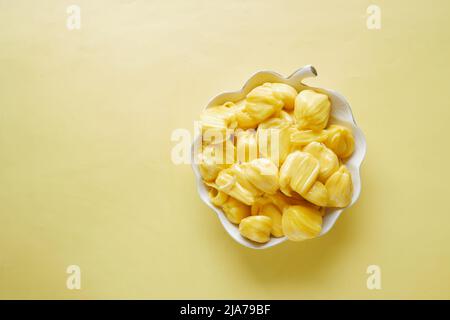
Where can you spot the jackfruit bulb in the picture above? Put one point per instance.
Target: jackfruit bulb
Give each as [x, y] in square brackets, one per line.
[312, 110]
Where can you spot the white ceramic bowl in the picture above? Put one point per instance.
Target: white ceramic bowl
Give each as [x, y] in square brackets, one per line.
[341, 113]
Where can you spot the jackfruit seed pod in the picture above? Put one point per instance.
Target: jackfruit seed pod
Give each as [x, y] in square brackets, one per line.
[285, 93]
[340, 188]
[229, 152]
[260, 104]
[312, 110]
[217, 197]
[246, 145]
[235, 210]
[262, 174]
[286, 172]
[340, 140]
[238, 171]
[298, 200]
[301, 223]
[304, 137]
[317, 195]
[329, 162]
[228, 183]
[209, 170]
[258, 204]
[234, 182]
[279, 200]
[287, 116]
[215, 120]
[274, 139]
[300, 171]
[210, 163]
[256, 228]
[271, 211]
[306, 173]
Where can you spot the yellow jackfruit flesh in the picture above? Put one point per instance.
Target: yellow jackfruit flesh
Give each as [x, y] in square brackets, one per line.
[329, 162]
[287, 116]
[228, 182]
[263, 174]
[256, 228]
[280, 200]
[286, 172]
[217, 197]
[278, 179]
[259, 105]
[285, 93]
[271, 211]
[306, 173]
[301, 223]
[216, 120]
[209, 170]
[274, 139]
[258, 204]
[298, 173]
[263, 102]
[241, 177]
[312, 110]
[317, 195]
[235, 210]
[246, 145]
[340, 188]
[340, 140]
[211, 163]
[298, 200]
[304, 137]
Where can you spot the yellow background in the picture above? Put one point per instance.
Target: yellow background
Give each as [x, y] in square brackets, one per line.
[85, 124]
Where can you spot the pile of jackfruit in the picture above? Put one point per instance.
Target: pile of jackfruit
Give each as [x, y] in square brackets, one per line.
[273, 163]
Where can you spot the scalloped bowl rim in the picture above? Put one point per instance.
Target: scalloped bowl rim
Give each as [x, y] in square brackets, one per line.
[341, 113]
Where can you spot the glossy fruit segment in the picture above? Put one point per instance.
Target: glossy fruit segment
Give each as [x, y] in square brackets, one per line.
[340, 140]
[317, 194]
[228, 182]
[256, 228]
[312, 110]
[211, 163]
[263, 174]
[303, 137]
[235, 210]
[274, 139]
[340, 188]
[287, 170]
[216, 120]
[305, 174]
[329, 162]
[298, 173]
[285, 93]
[301, 223]
[271, 211]
[246, 145]
[218, 198]
[263, 102]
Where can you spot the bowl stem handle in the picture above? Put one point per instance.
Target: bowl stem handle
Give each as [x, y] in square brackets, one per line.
[303, 73]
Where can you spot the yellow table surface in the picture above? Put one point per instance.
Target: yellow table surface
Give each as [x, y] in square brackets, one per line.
[85, 123]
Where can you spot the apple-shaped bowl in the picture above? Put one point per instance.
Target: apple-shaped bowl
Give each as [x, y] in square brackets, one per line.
[341, 113]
